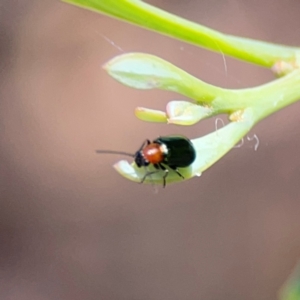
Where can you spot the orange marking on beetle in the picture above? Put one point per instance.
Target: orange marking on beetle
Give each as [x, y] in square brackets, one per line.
[153, 154]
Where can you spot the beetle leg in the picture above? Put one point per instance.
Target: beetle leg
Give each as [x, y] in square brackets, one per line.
[146, 171]
[157, 167]
[166, 173]
[163, 168]
[147, 142]
[177, 172]
[146, 175]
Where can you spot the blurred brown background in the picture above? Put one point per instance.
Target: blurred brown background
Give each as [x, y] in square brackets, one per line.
[71, 228]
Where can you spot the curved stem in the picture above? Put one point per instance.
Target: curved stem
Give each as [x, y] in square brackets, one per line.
[147, 16]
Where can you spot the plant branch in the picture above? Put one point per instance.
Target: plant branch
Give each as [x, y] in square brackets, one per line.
[147, 16]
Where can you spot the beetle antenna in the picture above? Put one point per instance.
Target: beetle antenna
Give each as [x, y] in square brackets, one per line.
[115, 152]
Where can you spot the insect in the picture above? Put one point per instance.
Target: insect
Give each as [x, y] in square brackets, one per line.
[173, 151]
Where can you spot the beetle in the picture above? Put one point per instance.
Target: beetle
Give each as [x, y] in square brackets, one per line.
[173, 152]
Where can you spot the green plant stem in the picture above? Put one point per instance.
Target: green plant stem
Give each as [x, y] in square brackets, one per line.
[145, 15]
[144, 71]
[264, 100]
[270, 98]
